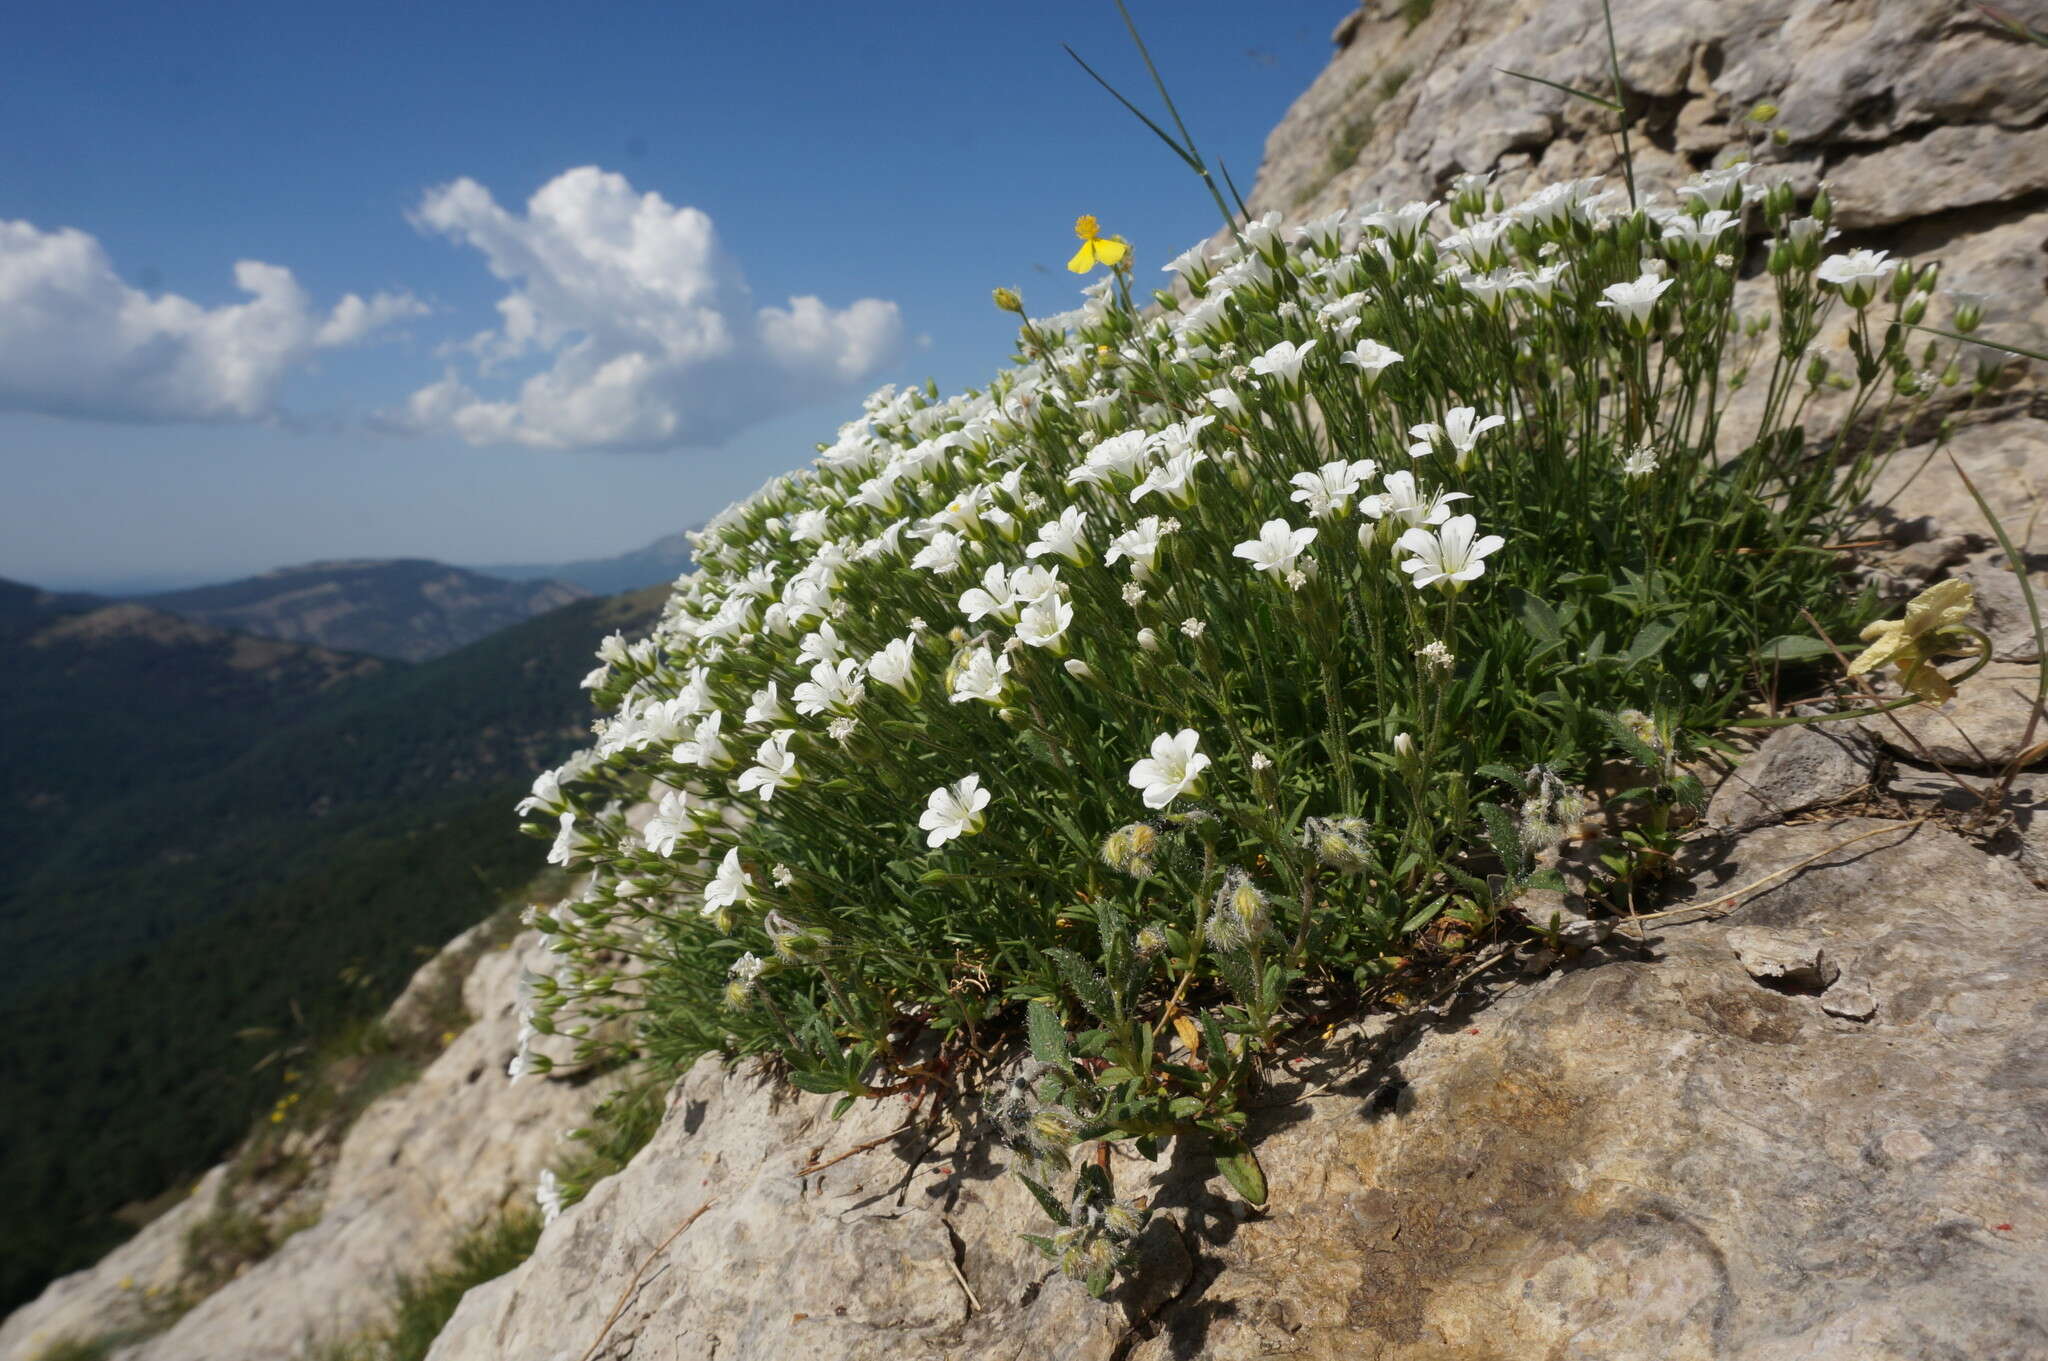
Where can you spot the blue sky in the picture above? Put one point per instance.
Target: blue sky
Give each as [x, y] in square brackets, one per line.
[163, 419]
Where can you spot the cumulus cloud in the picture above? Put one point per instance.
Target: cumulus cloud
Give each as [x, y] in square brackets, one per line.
[77, 341]
[647, 332]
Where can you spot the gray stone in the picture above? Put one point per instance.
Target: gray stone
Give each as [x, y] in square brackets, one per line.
[1982, 728]
[2002, 607]
[1788, 959]
[2008, 462]
[1793, 770]
[1852, 1001]
[1635, 1157]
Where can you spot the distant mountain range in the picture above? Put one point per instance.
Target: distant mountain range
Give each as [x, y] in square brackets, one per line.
[410, 609]
[220, 844]
[658, 564]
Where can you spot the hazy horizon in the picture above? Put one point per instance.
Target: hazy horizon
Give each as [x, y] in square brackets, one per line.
[497, 285]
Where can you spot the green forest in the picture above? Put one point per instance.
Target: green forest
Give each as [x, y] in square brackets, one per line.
[229, 863]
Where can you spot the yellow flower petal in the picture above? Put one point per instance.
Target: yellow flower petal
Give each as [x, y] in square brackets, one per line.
[1084, 258]
[1887, 639]
[1110, 252]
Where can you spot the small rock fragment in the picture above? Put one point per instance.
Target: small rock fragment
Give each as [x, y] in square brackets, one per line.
[1851, 1001]
[1788, 959]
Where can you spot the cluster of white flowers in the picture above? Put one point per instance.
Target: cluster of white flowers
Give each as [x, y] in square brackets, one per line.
[1114, 471]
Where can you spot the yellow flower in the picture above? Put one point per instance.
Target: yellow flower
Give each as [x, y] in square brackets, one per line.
[1932, 628]
[1096, 249]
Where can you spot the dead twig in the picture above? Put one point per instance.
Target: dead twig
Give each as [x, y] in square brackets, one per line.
[1709, 908]
[806, 1171]
[640, 1271]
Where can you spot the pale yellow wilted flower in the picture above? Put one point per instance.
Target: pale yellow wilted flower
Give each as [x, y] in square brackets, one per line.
[1932, 628]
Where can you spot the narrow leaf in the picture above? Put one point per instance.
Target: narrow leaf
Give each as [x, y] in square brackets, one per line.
[1240, 1167]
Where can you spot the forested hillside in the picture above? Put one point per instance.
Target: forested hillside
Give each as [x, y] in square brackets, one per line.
[179, 922]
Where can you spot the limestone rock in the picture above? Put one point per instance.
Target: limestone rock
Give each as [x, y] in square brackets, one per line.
[1794, 769]
[1980, 729]
[418, 1169]
[1784, 959]
[1636, 1157]
[2008, 462]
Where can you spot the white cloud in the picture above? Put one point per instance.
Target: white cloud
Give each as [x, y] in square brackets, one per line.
[77, 341]
[649, 334]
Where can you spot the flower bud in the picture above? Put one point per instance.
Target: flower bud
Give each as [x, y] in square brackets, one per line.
[1150, 940]
[1131, 849]
[1148, 640]
[1078, 669]
[1340, 843]
[1763, 112]
[1242, 913]
[1969, 313]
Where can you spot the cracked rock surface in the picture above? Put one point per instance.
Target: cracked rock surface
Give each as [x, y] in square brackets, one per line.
[1647, 1154]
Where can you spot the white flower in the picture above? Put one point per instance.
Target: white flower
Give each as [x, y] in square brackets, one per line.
[821, 646]
[706, 747]
[1328, 491]
[1277, 546]
[834, 687]
[954, 810]
[728, 887]
[774, 767]
[1140, 545]
[896, 666]
[941, 556]
[1371, 359]
[1698, 234]
[1450, 555]
[1171, 479]
[1193, 628]
[1406, 501]
[1117, 456]
[1401, 225]
[1434, 656]
[1044, 622]
[1174, 768]
[1860, 274]
[1461, 430]
[1721, 188]
[1223, 399]
[1283, 364]
[548, 1195]
[992, 597]
[546, 796]
[1261, 761]
[767, 707]
[1641, 462]
[1031, 584]
[981, 677]
[1633, 301]
[1063, 538]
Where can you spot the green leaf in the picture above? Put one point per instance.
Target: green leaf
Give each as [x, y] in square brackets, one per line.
[1507, 775]
[1794, 648]
[1541, 620]
[1422, 918]
[1086, 983]
[1113, 1076]
[1182, 1107]
[1047, 1202]
[1649, 641]
[824, 1084]
[1501, 832]
[1048, 1037]
[1240, 1167]
[1555, 85]
[842, 1106]
[1044, 1245]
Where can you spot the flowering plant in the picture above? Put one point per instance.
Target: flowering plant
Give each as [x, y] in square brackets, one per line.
[1194, 659]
